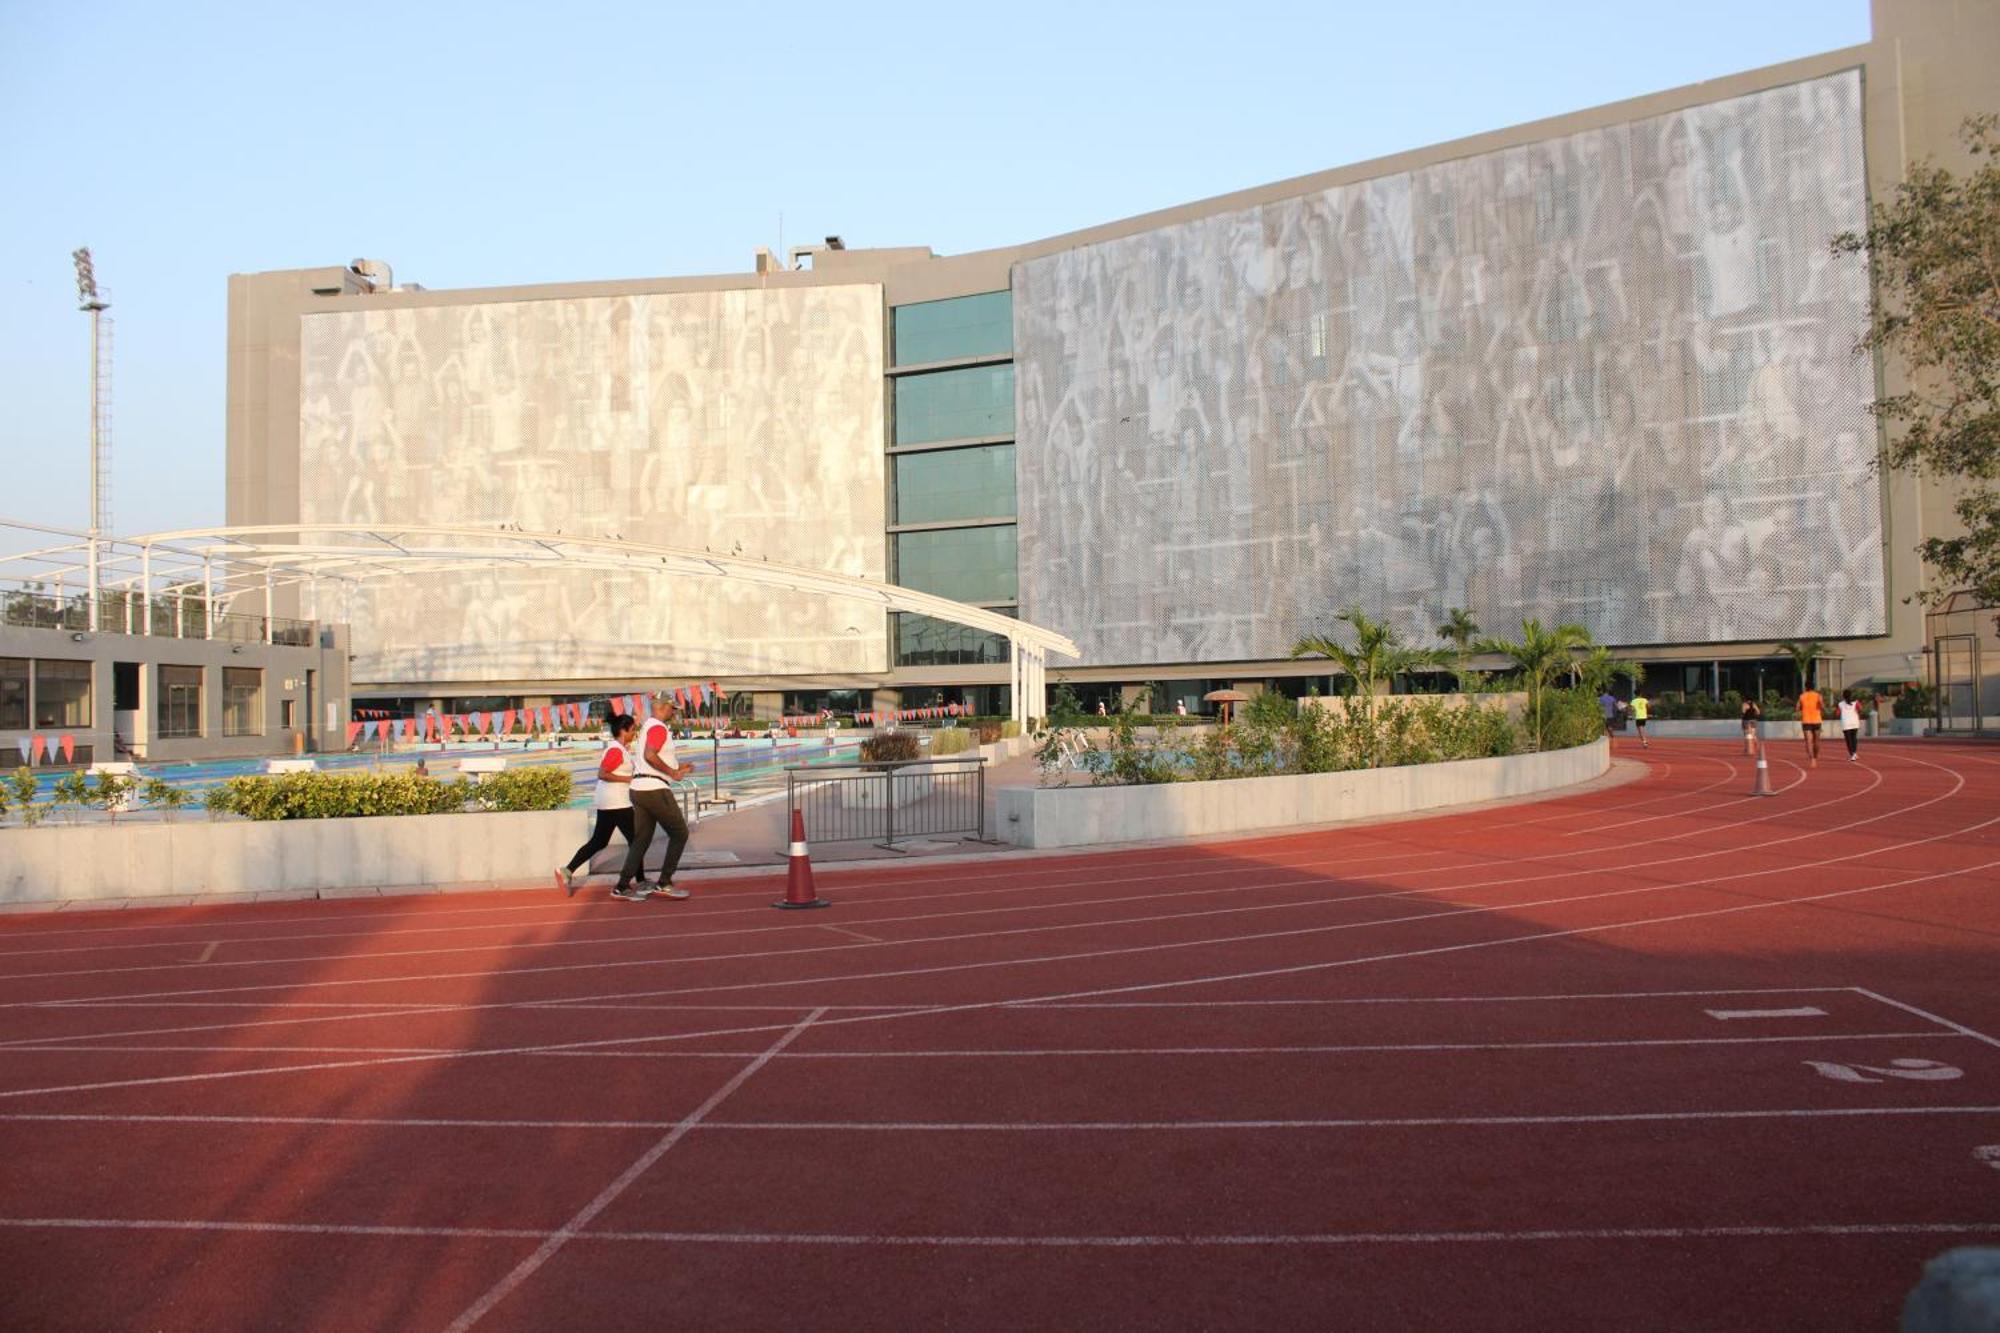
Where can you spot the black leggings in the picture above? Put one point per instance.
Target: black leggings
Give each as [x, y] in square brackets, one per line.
[608, 821]
[1853, 739]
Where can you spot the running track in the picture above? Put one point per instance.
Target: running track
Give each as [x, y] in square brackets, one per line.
[1652, 1054]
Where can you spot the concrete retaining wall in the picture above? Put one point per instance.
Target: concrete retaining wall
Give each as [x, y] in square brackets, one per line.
[196, 857]
[1082, 816]
[1722, 728]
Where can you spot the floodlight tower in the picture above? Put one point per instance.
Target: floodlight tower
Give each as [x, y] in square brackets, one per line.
[100, 413]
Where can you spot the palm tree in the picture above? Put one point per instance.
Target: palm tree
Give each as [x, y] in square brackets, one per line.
[1539, 657]
[1597, 669]
[1376, 659]
[1804, 656]
[1459, 630]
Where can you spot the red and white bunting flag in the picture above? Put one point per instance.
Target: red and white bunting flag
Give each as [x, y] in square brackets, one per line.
[478, 721]
[36, 741]
[506, 720]
[53, 746]
[68, 748]
[353, 733]
[27, 756]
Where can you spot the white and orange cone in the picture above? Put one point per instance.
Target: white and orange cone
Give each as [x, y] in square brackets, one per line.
[799, 891]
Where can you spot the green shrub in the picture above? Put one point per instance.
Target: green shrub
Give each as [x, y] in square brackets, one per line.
[25, 790]
[1570, 718]
[1915, 701]
[110, 792]
[339, 795]
[165, 797]
[951, 740]
[989, 732]
[889, 747]
[540, 787]
[1009, 728]
[71, 789]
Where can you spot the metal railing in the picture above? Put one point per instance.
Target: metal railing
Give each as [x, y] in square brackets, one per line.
[172, 618]
[882, 802]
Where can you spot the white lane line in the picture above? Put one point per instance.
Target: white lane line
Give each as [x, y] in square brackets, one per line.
[609, 1194]
[855, 934]
[208, 953]
[1213, 979]
[891, 1241]
[993, 1127]
[1803, 1011]
[1931, 1017]
[990, 1053]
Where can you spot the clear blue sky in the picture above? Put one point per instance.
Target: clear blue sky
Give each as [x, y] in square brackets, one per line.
[495, 143]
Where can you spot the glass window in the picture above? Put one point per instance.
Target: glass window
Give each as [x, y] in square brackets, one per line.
[964, 564]
[180, 702]
[242, 701]
[288, 714]
[62, 694]
[955, 404]
[955, 483]
[980, 325]
[924, 641]
[13, 694]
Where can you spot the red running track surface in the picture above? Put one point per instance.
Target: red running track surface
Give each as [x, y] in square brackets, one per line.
[1647, 1055]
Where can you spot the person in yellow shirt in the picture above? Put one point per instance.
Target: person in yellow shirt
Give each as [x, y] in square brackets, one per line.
[1811, 710]
[1642, 708]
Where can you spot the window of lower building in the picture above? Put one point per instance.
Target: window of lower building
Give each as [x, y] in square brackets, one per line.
[964, 564]
[242, 701]
[13, 694]
[62, 694]
[955, 483]
[179, 713]
[924, 641]
[955, 404]
[288, 714]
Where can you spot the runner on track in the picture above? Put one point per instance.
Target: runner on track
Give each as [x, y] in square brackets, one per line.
[1642, 707]
[613, 801]
[654, 805]
[1810, 708]
[1850, 725]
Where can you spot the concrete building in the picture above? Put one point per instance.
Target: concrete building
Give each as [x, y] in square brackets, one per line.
[1594, 368]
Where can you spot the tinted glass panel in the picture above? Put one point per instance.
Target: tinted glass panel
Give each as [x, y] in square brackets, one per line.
[955, 404]
[13, 694]
[242, 701]
[980, 325]
[62, 694]
[955, 483]
[923, 641]
[179, 711]
[964, 564]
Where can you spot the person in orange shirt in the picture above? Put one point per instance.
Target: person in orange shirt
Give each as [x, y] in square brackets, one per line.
[1810, 710]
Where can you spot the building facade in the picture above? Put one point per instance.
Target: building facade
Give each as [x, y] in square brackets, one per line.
[1597, 369]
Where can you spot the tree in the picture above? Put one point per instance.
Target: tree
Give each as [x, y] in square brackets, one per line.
[1803, 656]
[1935, 254]
[1597, 670]
[1376, 658]
[1539, 656]
[1459, 630]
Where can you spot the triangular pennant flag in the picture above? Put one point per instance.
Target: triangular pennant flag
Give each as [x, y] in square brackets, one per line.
[53, 746]
[353, 732]
[506, 721]
[479, 723]
[68, 748]
[36, 753]
[23, 743]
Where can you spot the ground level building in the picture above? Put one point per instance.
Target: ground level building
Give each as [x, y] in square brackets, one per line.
[1596, 368]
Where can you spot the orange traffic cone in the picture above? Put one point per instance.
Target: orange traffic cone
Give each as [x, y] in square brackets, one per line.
[1763, 785]
[799, 891]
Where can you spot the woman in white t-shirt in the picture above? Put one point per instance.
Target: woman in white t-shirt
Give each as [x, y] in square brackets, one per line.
[1850, 724]
[613, 801]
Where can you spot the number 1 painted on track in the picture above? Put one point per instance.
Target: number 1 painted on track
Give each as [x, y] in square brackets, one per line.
[1922, 1071]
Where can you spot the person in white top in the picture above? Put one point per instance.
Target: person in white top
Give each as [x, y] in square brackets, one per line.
[613, 801]
[653, 805]
[1850, 725]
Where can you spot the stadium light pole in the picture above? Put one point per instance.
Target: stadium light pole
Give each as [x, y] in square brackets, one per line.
[88, 299]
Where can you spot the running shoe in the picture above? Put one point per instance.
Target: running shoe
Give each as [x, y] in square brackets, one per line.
[631, 893]
[566, 880]
[670, 891]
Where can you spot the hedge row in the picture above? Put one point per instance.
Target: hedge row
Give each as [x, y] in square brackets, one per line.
[363, 795]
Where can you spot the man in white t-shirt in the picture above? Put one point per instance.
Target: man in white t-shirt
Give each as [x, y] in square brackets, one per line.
[653, 805]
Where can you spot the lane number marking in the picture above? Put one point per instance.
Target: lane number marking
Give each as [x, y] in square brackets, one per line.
[1922, 1071]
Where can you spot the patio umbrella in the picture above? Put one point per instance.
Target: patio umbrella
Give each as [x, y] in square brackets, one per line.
[1226, 698]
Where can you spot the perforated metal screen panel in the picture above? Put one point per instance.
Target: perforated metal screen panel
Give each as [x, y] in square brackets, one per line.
[1604, 378]
[738, 419]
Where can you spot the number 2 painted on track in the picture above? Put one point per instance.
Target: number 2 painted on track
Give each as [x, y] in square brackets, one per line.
[1922, 1071]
